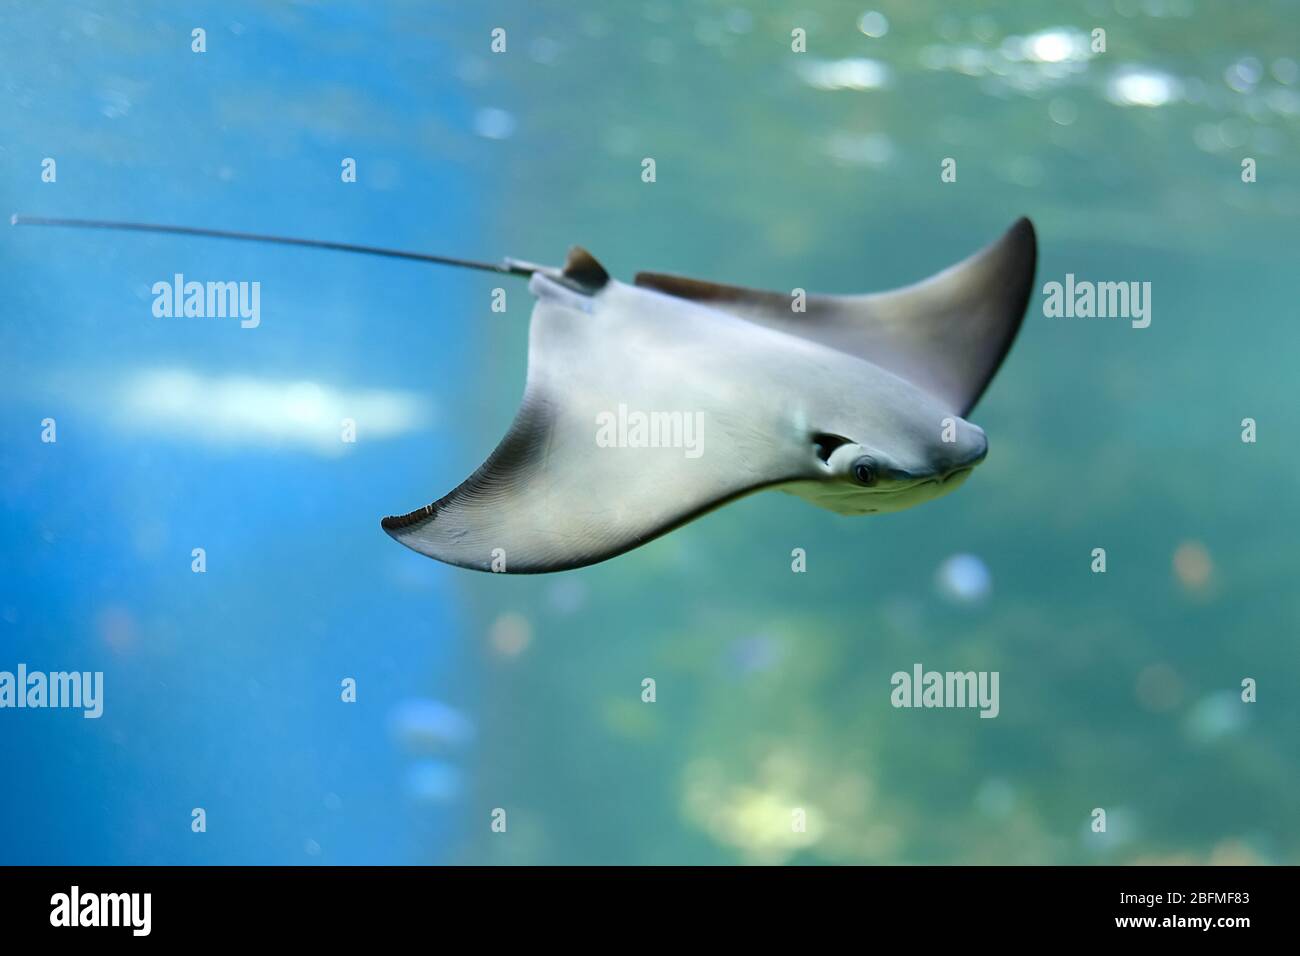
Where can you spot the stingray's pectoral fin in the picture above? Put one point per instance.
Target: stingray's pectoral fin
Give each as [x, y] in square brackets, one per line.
[948, 334]
[571, 483]
[492, 520]
[550, 499]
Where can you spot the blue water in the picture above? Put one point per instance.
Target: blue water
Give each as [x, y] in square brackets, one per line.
[223, 688]
[820, 170]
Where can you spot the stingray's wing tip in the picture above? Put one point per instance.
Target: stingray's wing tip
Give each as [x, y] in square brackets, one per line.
[396, 524]
[1021, 251]
[1023, 230]
[1015, 258]
[1018, 243]
[404, 529]
[413, 531]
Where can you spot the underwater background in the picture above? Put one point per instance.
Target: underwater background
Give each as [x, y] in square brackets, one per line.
[1119, 690]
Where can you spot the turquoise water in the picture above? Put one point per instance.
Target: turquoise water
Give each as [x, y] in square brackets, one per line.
[1119, 691]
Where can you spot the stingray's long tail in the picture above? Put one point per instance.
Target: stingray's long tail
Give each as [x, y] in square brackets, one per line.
[505, 267]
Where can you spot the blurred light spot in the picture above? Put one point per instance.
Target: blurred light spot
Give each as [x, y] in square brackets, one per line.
[971, 61]
[1269, 141]
[1025, 171]
[864, 149]
[1283, 102]
[114, 104]
[567, 593]
[1192, 565]
[1021, 64]
[1235, 853]
[758, 822]
[1062, 111]
[332, 801]
[240, 410]
[1216, 716]
[1050, 46]
[1142, 87]
[708, 31]
[510, 634]
[1206, 137]
[657, 12]
[1159, 688]
[472, 70]
[904, 615]
[621, 140]
[1121, 827]
[934, 57]
[753, 655]
[116, 626]
[660, 50]
[1232, 133]
[493, 123]
[311, 848]
[1244, 74]
[544, 50]
[964, 579]
[149, 536]
[421, 724]
[873, 24]
[1058, 45]
[984, 28]
[995, 798]
[433, 781]
[593, 26]
[1194, 90]
[383, 174]
[739, 20]
[854, 73]
[627, 717]
[1285, 70]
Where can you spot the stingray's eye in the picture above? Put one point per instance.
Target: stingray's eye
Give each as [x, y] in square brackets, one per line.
[864, 471]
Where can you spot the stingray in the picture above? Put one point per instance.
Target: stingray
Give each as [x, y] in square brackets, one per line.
[649, 404]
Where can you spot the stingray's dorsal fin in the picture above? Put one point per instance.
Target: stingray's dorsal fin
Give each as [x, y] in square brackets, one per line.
[582, 269]
[948, 334]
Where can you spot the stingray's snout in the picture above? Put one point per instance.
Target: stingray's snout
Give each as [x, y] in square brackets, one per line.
[972, 448]
[979, 446]
[966, 449]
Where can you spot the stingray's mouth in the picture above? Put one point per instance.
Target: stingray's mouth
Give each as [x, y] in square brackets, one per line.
[952, 476]
[956, 474]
